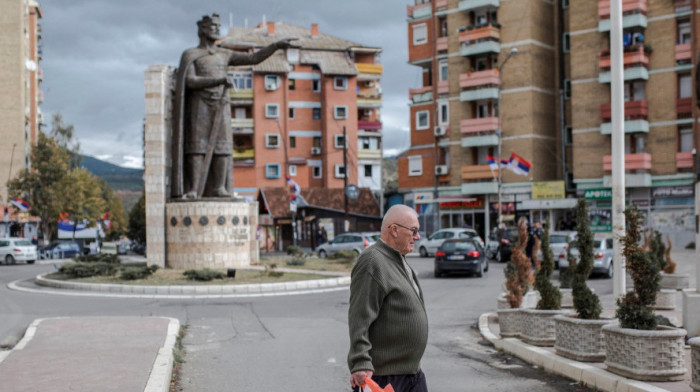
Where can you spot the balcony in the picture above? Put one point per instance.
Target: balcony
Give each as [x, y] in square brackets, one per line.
[479, 48]
[632, 126]
[482, 84]
[634, 110]
[372, 69]
[684, 107]
[684, 160]
[419, 11]
[369, 125]
[368, 103]
[628, 21]
[441, 44]
[241, 94]
[479, 180]
[640, 161]
[243, 154]
[242, 125]
[468, 5]
[369, 154]
[629, 59]
[421, 95]
[477, 172]
[476, 34]
[476, 125]
[443, 87]
[440, 4]
[628, 7]
[683, 52]
[480, 141]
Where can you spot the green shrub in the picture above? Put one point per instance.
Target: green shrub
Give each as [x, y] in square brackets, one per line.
[634, 309]
[203, 275]
[86, 270]
[296, 260]
[294, 250]
[586, 302]
[657, 249]
[98, 257]
[344, 254]
[550, 297]
[132, 272]
[271, 271]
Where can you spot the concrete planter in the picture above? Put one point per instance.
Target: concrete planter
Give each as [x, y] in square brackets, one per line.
[581, 340]
[695, 361]
[538, 326]
[645, 355]
[509, 322]
[567, 298]
[666, 299]
[674, 281]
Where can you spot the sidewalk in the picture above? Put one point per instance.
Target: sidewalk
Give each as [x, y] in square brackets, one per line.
[92, 354]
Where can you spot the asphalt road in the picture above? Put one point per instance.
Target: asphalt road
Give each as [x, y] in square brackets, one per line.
[299, 342]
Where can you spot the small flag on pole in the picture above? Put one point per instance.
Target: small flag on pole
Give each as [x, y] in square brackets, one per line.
[20, 204]
[492, 162]
[519, 165]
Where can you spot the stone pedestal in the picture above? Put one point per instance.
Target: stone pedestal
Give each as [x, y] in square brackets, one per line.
[211, 234]
[691, 316]
[665, 299]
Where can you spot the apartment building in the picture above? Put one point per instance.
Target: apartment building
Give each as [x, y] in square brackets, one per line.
[659, 108]
[311, 112]
[20, 78]
[486, 65]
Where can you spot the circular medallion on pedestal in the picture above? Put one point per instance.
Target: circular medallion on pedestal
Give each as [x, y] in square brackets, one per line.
[235, 221]
[245, 220]
[203, 220]
[173, 221]
[221, 220]
[187, 221]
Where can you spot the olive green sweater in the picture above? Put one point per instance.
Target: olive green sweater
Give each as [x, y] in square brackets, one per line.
[387, 319]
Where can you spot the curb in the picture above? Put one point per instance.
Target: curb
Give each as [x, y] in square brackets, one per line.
[588, 375]
[162, 371]
[28, 335]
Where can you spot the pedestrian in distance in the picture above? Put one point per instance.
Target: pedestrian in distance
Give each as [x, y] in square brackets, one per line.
[387, 320]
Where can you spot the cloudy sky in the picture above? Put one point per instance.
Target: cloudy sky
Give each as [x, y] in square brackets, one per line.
[95, 53]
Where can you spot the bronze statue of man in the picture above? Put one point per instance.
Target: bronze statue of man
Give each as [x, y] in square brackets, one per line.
[202, 141]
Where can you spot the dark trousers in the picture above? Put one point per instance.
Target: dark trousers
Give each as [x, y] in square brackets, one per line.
[404, 382]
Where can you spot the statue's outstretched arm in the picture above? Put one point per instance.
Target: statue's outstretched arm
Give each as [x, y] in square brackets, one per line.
[260, 55]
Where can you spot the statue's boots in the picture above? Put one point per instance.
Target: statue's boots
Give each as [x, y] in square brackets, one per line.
[221, 192]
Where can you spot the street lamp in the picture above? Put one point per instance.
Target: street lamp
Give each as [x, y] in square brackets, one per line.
[499, 132]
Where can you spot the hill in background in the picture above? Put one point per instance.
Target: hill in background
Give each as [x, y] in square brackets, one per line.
[127, 183]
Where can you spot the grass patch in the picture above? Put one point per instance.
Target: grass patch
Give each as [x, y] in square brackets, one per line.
[311, 263]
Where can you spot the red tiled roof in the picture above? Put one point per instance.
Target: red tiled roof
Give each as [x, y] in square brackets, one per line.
[277, 201]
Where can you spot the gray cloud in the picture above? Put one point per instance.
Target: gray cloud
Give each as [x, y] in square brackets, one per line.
[96, 52]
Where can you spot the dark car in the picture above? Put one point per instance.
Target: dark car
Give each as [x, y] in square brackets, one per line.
[510, 238]
[464, 255]
[61, 250]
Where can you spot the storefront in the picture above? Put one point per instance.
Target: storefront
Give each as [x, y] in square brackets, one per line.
[672, 214]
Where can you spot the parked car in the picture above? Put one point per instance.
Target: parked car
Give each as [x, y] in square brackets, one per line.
[602, 255]
[428, 246]
[109, 248]
[13, 250]
[347, 241]
[558, 243]
[461, 255]
[61, 250]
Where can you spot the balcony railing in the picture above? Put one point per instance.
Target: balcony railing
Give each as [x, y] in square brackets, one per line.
[443, 87]
[365, 68]
[419, 11]
[241, 94]
[480, 33]
[634, 110]
[440, 4]
[478, 172]
[242, 123]
[682, 52]
[468, 5]
[628, 6]
[367, 103]
[684, 106]
[684, 160]
[630, 58]
[476, 125]
[421, 95]
[641, 161]
[369, 154]
[243, 154]
[369, 125]
[488, 77]
[441, 44]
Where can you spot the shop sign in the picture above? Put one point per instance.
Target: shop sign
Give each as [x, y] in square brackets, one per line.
[548, 190]
[598, 194]
[641, 203]
[601, 220]
[506, 208]
[423, 197]
[462, 204]
[672, 191]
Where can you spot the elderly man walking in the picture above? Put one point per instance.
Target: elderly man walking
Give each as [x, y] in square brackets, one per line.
[387, 318]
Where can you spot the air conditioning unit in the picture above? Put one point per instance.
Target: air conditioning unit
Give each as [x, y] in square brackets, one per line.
[370, 83]
[440, 131]
[367, 112]
[315, 150]
[440, 170]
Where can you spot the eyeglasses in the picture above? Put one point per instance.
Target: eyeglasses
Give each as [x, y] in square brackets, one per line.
[414, 231]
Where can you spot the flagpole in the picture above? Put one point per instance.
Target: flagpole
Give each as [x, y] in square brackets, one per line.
[500, 137]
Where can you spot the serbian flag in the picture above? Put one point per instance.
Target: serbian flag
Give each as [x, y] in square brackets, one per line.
[519, 165]
[492, 162]
[294, 189]
[21, 204]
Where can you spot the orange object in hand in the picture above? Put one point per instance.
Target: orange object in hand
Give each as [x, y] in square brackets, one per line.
[374, 387]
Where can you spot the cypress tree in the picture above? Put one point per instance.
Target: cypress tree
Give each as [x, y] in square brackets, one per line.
[586, 302]
[550, 297]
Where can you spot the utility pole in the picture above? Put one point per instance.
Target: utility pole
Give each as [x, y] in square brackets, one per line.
[9, 174]
[500, 136]
[346, 225]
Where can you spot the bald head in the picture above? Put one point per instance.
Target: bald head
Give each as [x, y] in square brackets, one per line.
[399, 213]
[397, 228]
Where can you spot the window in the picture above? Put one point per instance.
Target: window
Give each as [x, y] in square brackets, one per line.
[242, 80]
[272, 82]
[568, 135]
[683, 31]
[272, 170]
[443, 27]
[292, 170]
[635, 91]
[685, 139]
[317, 141]
[565, 43]
[481, 63]
[363, 143]
[567, 88]
[316, 85]
[239, 113]
[316, 113]
[340, 83]
[291, 113]
[292, 142]
[443, 70]
[482, 110]
[368, 170]
[635, 143]
[317, 172]
[564, 4]
[272, 110]
[415, 165]
[272, 141]
[444, 113]
[480, 18]
[340, 112]
[420, 34]
[292, 84]
[292, 55]
[685, 86]
[339, 171]
[339, 141]
[422, 120]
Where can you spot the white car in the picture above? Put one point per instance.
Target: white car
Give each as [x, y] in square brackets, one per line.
[13, 250]
[428, 246]
[602, 255]
[558, 243]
